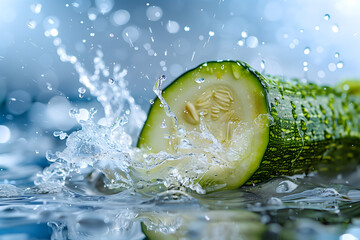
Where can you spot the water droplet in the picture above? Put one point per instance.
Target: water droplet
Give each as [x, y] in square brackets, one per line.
[49, 87]
[240, 43]
[111, 81]
[92, 111]
[252, 42]
[307, 51]
[186, 28]
[163, 124]
[326, 17]
[74, 112]
[335, 28]
[286, 187]
[36, 8]
[211, 33]
[123, 120]
[81, 91]
[305, 64]
[340, 65]
[32, 24]
[51, 157]
[151, 101]
[92, 34]
[111, 35]
[337, 55]
[244, 34]
[200, 80]
[301, 30]
[262, 64]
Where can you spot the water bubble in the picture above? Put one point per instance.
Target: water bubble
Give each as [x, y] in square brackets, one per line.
[337, 55]
[326, 17]
[252, 42]
[81, 91]
[211, 33]
[50, 156]
[332, 67]
[186, 28]
[5, 134]
[154, 13]
[111, 81]
[120, 17]
[62, 135]
[73, 112]
[340, 65]
[335, 28]
[307, 51]
[244, 34]
[104, 6]
[172, 27]
[200, 80]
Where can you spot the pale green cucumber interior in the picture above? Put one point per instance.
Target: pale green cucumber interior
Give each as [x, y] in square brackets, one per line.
[226, 94]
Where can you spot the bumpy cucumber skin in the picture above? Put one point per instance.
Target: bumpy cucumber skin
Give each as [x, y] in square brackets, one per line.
[314, 128]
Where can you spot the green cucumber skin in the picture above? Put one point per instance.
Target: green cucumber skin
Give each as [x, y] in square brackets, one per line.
[313, 128]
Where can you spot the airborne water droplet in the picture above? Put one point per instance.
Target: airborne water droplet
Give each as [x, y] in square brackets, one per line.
[307, 51]
[337, 55]
[163, 124]
[81, 91]
[151, 101]
[111, 81]
[73, 112]
[326, 17]
[340, 65]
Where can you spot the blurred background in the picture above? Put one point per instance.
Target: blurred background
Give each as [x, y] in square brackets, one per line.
[313, 40]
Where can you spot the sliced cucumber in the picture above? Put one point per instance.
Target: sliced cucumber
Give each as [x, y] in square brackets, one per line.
[266, 126]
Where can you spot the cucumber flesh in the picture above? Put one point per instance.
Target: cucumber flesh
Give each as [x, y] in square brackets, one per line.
[228, 101]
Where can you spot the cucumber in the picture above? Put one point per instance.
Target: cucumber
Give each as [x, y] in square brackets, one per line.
[294, 127]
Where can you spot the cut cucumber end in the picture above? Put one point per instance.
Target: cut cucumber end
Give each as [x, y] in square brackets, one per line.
[228, 101]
